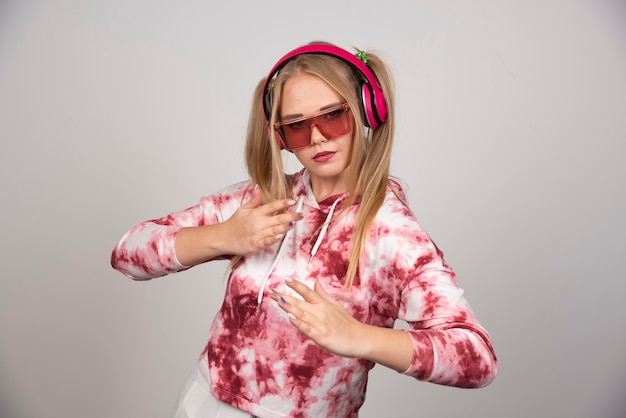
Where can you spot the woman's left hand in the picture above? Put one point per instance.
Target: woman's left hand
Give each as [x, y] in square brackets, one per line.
[322, 318]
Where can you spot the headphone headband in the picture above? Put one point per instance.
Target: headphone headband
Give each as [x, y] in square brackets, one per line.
[372, 103]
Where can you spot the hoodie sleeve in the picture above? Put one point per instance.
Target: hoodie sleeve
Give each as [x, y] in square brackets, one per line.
[148, 249]
[450, 347]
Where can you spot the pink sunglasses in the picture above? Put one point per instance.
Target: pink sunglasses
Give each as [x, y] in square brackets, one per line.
[332, 123]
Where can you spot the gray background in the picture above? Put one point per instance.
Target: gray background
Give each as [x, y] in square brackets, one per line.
[510, 134]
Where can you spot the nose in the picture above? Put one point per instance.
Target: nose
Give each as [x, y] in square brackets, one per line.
[316, 135]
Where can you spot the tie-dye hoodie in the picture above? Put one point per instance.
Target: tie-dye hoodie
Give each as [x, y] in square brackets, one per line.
[262, 364]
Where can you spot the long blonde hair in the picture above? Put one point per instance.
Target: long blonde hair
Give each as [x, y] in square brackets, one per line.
[368, 177]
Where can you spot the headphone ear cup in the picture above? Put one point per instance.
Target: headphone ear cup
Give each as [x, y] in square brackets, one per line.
[267, 100]
[267, 108]
[368, 107]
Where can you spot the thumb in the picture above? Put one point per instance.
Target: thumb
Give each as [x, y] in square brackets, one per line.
[257, 198]
[319, 289]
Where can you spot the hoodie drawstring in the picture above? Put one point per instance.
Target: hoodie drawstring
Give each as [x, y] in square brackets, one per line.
[320, 238]
[278, 253]
[316, 246]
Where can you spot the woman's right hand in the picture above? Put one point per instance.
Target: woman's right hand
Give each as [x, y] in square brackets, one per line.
[253, 227]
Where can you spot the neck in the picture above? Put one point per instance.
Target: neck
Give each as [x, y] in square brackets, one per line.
[322, 189]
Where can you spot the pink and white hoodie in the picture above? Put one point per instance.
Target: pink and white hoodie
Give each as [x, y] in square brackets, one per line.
[262, 364]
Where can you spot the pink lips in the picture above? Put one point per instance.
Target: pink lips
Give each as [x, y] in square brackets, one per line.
[322, 157]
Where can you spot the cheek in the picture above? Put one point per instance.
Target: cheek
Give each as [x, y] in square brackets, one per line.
[348, 145]
[304, 155]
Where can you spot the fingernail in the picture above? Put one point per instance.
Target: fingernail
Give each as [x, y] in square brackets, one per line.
[288, 280]
[291, 202]
[300, 215]
[290, 315]
[278, 237]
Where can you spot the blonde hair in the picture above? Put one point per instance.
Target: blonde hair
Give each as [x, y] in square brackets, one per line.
[368, 176]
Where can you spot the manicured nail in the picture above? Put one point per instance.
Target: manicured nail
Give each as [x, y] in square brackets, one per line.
[290, 315]
[291, 202]
[288, 280]
[278, 237]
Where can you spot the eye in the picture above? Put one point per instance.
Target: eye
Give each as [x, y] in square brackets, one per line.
[334, 114]
[295, 125]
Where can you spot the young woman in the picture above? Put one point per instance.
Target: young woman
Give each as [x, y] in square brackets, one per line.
[323, 261]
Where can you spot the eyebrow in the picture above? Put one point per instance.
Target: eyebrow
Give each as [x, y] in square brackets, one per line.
[299, 115]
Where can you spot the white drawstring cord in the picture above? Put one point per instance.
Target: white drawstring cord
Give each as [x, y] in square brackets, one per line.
[320, 238]
[269, 271]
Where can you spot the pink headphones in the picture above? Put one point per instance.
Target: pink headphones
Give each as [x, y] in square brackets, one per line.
[372, 103]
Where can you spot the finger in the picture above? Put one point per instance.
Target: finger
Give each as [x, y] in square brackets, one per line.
[285, 302]
[273, 228]
[256, 200]
[281, 299]
[290, 218]
[285, 223]
[319, 289]
[303, 290]
[302, 326]
[277, 206]
[295, 308]
[270, 238]
[279, 230]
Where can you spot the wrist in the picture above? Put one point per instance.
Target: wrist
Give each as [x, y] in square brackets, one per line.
[195, 245]
[392, 348]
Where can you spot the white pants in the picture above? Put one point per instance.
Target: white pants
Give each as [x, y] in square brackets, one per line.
[195, 399]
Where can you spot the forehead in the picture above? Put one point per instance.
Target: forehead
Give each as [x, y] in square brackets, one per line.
[306, 93]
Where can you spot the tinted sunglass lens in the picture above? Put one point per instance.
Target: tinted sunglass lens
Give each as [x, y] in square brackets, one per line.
[332, 124]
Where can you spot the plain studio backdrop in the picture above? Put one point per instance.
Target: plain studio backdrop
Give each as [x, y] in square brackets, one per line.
[511, 123]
